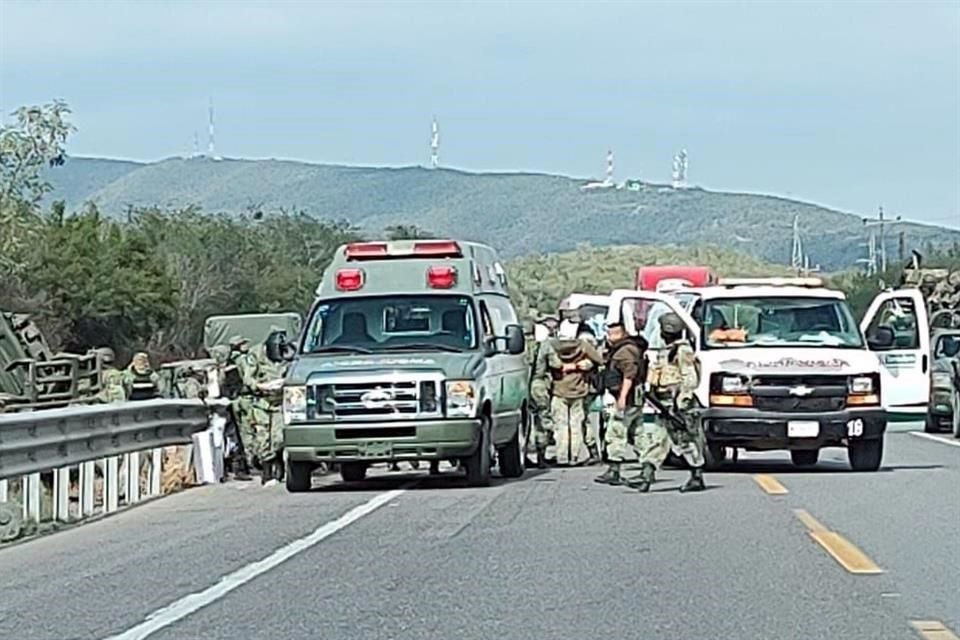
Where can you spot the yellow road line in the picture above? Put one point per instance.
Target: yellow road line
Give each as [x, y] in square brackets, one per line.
[840, 549]
[844, 552]
[811, 523]
[770, 484]
[933, 630]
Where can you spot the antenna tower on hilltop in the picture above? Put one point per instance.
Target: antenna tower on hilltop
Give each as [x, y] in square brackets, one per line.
[609, 179]
[680, 170]
[211, 152]
[435, 145]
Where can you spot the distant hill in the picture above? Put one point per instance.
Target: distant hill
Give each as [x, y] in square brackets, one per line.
[516, 212]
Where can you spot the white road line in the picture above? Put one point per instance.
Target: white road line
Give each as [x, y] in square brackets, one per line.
[191, 603]
[936, 438]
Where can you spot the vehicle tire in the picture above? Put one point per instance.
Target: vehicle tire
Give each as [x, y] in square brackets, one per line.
[299, 476]
[955, 417]
[931, 424]
[353, 471]
[714, 455]
[510, 457]
[805, 457]
[478, 464]
[865, 455]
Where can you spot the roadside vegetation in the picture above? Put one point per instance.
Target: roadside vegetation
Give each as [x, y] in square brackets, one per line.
[147, 280]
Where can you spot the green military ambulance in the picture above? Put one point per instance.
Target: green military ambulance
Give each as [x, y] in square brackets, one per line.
[412, 350]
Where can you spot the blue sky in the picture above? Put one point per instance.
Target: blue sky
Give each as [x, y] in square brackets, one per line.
[851, 104]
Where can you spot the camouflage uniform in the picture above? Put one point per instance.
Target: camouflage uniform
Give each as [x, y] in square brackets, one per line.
[252, 417]
[570, 388]
[112, 386]
[140, 381]
[540, 384]
[624, 361]
[673, 379]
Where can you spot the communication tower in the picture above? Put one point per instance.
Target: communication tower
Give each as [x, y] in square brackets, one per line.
[211, 152]
[435, 145]
[680, 170]
[609, 179]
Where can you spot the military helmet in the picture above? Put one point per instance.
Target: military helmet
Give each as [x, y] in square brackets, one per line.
[238, 340]
[107, 355]
[140, 361]
[671, 323]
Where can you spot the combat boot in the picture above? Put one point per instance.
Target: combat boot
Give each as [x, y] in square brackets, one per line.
[541, 457]
[241, 470]
[647, 477]
[266, 475]
[611, 476]
[695, 482]
[594, 455]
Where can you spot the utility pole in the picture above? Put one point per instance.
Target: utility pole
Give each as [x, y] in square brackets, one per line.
[881, 222]
[902, 248]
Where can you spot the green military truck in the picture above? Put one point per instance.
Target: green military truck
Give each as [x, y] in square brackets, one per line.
[33, 377]
[412, 350]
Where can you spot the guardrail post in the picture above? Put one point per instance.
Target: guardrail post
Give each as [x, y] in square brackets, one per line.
[156, 471]
[88, 479]
[111, 483]
[61, 493]
[31, 498]
[133, 477]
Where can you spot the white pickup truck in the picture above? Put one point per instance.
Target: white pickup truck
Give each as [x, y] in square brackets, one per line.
[785, 366]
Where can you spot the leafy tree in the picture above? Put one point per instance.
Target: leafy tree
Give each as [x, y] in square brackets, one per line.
[34, 141]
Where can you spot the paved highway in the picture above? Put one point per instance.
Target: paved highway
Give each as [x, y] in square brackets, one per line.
[768, 551]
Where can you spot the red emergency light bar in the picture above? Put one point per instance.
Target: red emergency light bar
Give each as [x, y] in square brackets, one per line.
[387, 250]
[441, 276]
[437, 249]
[349, 279]
[361, 250]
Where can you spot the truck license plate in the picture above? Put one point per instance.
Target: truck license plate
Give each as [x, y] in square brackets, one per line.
[803, 429]
[376, 449]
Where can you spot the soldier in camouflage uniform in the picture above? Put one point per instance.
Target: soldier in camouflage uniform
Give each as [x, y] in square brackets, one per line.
[540, 389]
[140, 381]
[674, 379]
[623, 379]
[252, 417]
[112, 386]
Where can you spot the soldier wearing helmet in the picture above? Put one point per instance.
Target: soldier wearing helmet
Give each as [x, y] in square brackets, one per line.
[673, 379]
[112, 386]
[141, 382]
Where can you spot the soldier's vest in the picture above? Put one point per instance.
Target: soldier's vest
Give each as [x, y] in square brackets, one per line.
[143, 386]
[612, 377]
[667, 378]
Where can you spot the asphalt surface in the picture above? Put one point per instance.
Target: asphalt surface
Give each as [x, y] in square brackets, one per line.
[552, 555]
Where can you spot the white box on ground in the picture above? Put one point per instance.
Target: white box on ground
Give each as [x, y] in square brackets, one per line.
[803, 429]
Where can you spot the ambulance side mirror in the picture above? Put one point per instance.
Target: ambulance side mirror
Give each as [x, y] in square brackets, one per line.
[515, 340]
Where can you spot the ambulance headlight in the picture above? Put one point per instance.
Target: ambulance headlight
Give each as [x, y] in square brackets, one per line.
[461, 399]
[294, 404]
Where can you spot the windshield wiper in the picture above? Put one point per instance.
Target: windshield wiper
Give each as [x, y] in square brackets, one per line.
[424, 346]
[335, 348]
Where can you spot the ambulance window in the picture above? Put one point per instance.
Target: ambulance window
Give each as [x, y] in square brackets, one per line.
[485, 322]
[501, 313]
[406, 319]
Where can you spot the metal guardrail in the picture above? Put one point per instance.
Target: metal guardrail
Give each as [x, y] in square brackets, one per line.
[42, 440]
[76, 459]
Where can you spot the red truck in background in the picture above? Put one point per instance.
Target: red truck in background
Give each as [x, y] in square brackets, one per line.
[673, 277]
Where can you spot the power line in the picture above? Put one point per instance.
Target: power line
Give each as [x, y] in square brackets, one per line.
[881, 222]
